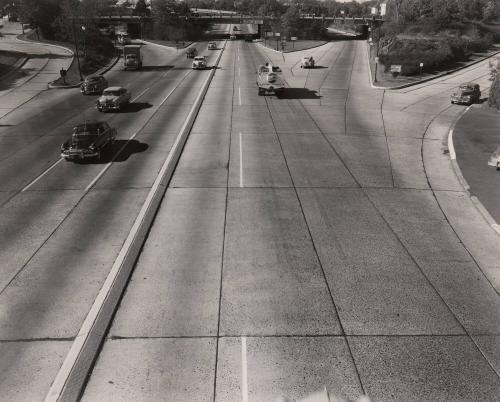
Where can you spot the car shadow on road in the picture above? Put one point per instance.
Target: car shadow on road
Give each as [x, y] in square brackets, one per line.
[136, 107]
[315, 67]
[120, 151]
[299, 93]
[156, 68]
[127, 148]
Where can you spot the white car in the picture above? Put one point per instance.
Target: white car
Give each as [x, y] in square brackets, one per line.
[307, 62]
[212, 45]
[495, 159]
[199, 63]
[113, 99]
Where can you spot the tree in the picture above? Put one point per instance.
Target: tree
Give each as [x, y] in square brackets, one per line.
[41, 14]
[141, 8]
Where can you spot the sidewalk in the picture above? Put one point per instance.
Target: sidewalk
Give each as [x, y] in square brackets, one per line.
[41, 65]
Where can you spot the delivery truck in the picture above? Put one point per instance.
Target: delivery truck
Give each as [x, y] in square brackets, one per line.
[132, 58]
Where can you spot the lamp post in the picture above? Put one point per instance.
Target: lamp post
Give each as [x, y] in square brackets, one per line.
[376, 65]
[84, 42]
[76, 50]
[421, 67]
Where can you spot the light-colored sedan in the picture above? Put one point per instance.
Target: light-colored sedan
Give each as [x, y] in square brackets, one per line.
[114, 99]
[307, 62]
[495, 159]
[199, 63]
[212, 45]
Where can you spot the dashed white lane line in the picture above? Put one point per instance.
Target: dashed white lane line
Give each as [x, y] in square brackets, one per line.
[244, 379]
[138, 96]
[43, 174]
[241, 160]
[239, 95]
[93, 182]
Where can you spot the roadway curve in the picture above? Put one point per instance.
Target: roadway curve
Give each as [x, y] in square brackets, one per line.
[321, 239]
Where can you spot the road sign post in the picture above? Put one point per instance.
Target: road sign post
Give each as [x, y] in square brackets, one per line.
[277, 35]
[293, 39]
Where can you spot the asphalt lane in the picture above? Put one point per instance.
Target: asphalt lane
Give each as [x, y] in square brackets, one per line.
[62, 228]
[318, 240]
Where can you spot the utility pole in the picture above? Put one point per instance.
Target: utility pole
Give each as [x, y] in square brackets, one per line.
[76, 49]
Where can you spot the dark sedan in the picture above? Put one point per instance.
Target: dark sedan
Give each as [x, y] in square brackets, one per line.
[89, 140]
[93, 85]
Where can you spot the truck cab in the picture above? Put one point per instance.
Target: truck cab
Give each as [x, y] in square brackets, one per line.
[132, 58]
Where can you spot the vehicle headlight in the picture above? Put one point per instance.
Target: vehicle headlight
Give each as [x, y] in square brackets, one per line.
[92, 147]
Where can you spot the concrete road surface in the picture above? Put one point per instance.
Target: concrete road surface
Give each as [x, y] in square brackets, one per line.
[320, 239]
[317, 240]
[62, 223]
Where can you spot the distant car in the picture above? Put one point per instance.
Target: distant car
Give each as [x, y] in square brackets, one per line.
[307, 62]
[212, 45]
[94, 84]
[123, 38]
[199, 63]
[88, 140]
[495, 159]
[114, 99]
[191, 52]
[248, 38]
[467, 94]
[232, 37]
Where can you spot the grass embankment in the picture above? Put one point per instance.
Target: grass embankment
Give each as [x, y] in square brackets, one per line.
[97, 53]
[438, 49]
[294, 46]
[8, 60]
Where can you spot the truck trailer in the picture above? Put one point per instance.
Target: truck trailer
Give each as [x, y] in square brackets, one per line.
[132, 58]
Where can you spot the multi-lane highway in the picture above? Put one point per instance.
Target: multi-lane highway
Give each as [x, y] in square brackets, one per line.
[317, 240]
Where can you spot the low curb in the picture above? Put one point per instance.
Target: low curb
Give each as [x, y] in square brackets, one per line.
[101, 71]
[70, 380]
[458, 172]
[428, 78]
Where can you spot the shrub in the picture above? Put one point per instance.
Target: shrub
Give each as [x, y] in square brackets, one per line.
[494, 98]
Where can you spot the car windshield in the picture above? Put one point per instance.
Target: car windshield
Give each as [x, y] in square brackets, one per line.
[130, 56]
[85, 130]
[466, 88]
[199, 58]
[115, 92]
[92, 79]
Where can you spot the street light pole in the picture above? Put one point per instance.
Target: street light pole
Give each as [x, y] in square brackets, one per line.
[84, 42]
[76, 49]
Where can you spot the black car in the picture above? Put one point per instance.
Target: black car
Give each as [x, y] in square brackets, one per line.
[89, 140]
[94, 84]
[191, 52]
